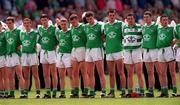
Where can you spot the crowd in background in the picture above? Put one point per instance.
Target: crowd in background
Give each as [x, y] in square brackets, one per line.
[58, 8]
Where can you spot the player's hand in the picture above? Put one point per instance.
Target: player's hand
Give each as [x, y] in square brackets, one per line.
[55, 46]
[19, 48]
[175, 46]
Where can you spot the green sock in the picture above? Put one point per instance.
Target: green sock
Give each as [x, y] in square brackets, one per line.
[174, 89]
[6, 92]
[62, 92]
[72, 91]
[76, 91]
[86, 91]
[151, 90]
[1, 92]
[54, 91]
[38, 91]
[123, 91]
[48, 91]
[92, 92]
[165, 90]
[130, 91]
[25, 92]
[12, 92]
[112, 90]
[103, 91]
[141, 90]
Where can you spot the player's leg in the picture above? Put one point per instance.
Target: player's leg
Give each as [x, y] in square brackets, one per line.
[47, 79]
[11, 77]
[6, 81]
[70, 75]
[26, 72]
[62, 76]
[120, 67]
[1, 83]
[54, 78]
[35, 74]
[75, 67]
[112, 78]
[130, 75]
[179, 69]
[19, 73]
[85, 77]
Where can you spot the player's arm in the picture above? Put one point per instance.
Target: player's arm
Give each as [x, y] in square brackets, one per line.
[19, 43]
[103, 37]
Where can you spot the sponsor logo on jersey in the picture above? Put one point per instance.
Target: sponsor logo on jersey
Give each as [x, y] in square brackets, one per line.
[10, 41]
[62, 42]
[91, 36]
[75, 38]
[26, 43]
[162, 36]
[146, 37]
[112, 35]
[130, 39]
[45, 40]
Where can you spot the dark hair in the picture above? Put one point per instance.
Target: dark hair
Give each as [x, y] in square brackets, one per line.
[162, 16]
[26, 19]
[10, 18]
[111, 11]
[148, 13]
[89, 13]
[73, 16]
[130, 14]
[44, 16]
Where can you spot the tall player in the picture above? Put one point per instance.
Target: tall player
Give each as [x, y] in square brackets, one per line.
[149, 31]
[29, 57]
[166, 56]
[12, 36]
[48, 58]
[94, 52]
[132, 35]
[78, 54]
[64, 55]
[114, 53]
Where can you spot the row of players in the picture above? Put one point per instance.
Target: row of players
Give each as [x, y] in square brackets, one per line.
[79, 49]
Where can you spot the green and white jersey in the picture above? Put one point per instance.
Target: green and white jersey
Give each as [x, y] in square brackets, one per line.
[78, 36]
[149, 36]
[177, 30]
[113, 33]
[2, 43]
[132, 37]
[47, 38]
[165, 36]
[13, 41]
[29, 41]
[93, 35]
[65, 41]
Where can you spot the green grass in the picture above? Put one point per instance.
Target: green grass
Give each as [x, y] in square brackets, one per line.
[96, 101]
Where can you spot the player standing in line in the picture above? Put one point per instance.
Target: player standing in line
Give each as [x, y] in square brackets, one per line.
[4, 87]
[177, 29]
[114, 53]
[132, 36]
[149, 31]
[13, 65]
[64, 55]
[78, 55]
[29, 58]
[166, 55]
[48, 57]
[94, 52]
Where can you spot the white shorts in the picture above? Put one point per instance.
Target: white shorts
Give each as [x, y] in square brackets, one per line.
[78, 54]
[12, 60]
[29, 59]
[2, 61]
[94, 54]
[132, 57]
[150, 55]
[48, 57]
[178, 55]
[64, 60]
[166, 54]
[114, 56]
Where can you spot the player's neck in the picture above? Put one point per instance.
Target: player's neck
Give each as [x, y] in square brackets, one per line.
[28, 29]
[149, 23]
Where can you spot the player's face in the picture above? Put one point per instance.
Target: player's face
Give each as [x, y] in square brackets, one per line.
[111, 17]
[27, 24]
[10, 24]
[1, 27]
[74, 22]
[164, 21]
[90, 20]
[44, 21]
[130, 20]
[147, 18]
[63, 25]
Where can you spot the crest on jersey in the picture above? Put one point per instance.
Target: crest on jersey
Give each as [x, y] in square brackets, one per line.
[10, 41]
[45, 40]
[62, 42]
[91, 36]
[131, 39]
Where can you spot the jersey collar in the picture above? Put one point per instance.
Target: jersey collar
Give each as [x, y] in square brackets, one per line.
[115, 21]
[95, 22]
[150, 24]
